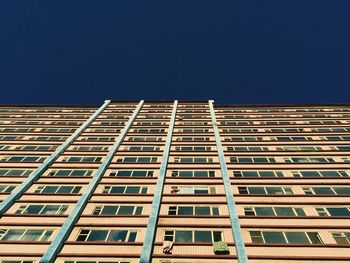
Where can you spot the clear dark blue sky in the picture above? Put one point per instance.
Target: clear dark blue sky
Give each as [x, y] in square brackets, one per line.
[263, 51]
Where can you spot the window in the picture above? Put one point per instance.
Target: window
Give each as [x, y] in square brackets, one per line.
[15, 172]
[117, 210]
[247, 148]
[104, 261]
[265, 190]
[194, 130]
[252, 160]
[142, 148]
[25, 159]
[285, 237]
[70, 173]
[299, 148]
[25, 234]
[240, 139]
[193, 190]
[42, 209]
[195, 173]
[343, 148]
[35, 147]
[331, 173]
[6, 188]
[193, 160]
[333, 211]
[149, 130]
[326, 190]
[273, 211]
[90, 148]
[292, 138]
[125, 190]
[131, 173]
[239, 130]
[194, 139]
[308, 160]
[53, 189]
[11, 138]
[193, 148]
[148, 138]
[193, 210]
[107, 235]
[94, 139]
[17, 261]
[341, 237]
[82, 159]
[257, 174]
[48, 138]
[137, 160]
[193, 236]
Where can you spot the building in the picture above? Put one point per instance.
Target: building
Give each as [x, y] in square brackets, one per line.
[167, 181]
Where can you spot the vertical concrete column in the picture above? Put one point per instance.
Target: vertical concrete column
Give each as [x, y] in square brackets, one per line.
[63, 233]
[24, 186]
[147, 248]
[235, 225]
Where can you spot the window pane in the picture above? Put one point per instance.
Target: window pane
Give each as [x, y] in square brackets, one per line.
[65, 189]
[202, 210]
[264, 211]
[339, 211]
[33, 209]
[126, 210]
[202, 236]
[183, 236]
[118, 189]
[132, 237]
[342, 190]
[13, 234]
[132, 190]
[297, 238]
[32, 235]
[97, 235]
[116, 235]
[50, 209]
[256, 190]
[284, 211]
[109, 210]
[314, 237]
[274, 237]
[49, 189]
[323, 190]
[185, 210]
[274, 190]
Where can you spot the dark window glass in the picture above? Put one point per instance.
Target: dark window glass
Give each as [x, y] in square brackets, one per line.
[33, 209]
[297, 238]
[118, 189]
[116, 235]
[202, 210]
[342, 190]
[265, 211]
[339, 211]
[97, 235]
[183, 236]
[202, 236]
[274, 237]
[109, 210]
[185, 210]
[323, 190]
[284, 211]
[125, 210]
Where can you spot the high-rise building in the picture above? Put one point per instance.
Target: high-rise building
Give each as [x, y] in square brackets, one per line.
[174, 182]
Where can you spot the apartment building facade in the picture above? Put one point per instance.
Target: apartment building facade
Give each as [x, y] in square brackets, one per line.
[174, 182]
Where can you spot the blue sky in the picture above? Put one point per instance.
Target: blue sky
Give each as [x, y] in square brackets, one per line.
[245, 51]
